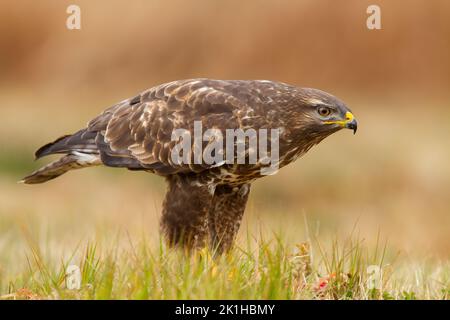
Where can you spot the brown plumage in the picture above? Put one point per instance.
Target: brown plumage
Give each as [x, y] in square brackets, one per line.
[204, 203]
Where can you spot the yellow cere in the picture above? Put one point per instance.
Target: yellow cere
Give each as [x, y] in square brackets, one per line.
[348, 118]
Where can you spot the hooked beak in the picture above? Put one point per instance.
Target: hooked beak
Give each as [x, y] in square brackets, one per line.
[349, 122]
[352, 125]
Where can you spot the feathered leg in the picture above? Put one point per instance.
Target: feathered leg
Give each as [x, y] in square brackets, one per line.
[185, 210]
[225, 215]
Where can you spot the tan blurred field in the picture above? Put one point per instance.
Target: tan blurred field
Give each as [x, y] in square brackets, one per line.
[392, 178]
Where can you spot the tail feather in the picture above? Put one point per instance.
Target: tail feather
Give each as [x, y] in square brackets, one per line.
[80, 151]
[61, 166]
[48, 148]
[82, 141]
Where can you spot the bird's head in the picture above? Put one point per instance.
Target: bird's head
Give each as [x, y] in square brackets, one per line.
[321, 114]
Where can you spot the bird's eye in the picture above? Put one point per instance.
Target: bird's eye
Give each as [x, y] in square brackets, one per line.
[324, 111]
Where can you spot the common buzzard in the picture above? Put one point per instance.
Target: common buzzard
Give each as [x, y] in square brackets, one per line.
[205, 201]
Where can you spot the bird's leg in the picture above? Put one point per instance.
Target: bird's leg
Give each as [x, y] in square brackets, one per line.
[185, 210]
[225, 215]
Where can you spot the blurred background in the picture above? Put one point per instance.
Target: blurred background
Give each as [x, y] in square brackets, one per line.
[392, 177]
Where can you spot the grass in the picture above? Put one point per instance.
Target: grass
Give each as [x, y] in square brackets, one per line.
[261, 269]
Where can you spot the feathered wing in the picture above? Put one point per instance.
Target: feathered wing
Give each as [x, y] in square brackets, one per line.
[142, 130]
[136, 133]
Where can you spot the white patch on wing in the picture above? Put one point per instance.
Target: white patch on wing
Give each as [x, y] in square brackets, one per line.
[203, 89]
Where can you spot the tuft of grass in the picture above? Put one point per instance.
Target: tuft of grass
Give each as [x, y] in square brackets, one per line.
[262, 269]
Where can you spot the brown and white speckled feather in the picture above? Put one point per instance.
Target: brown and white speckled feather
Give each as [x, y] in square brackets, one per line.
[201, 199]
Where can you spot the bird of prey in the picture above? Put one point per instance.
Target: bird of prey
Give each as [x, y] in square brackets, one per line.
[205, 202]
